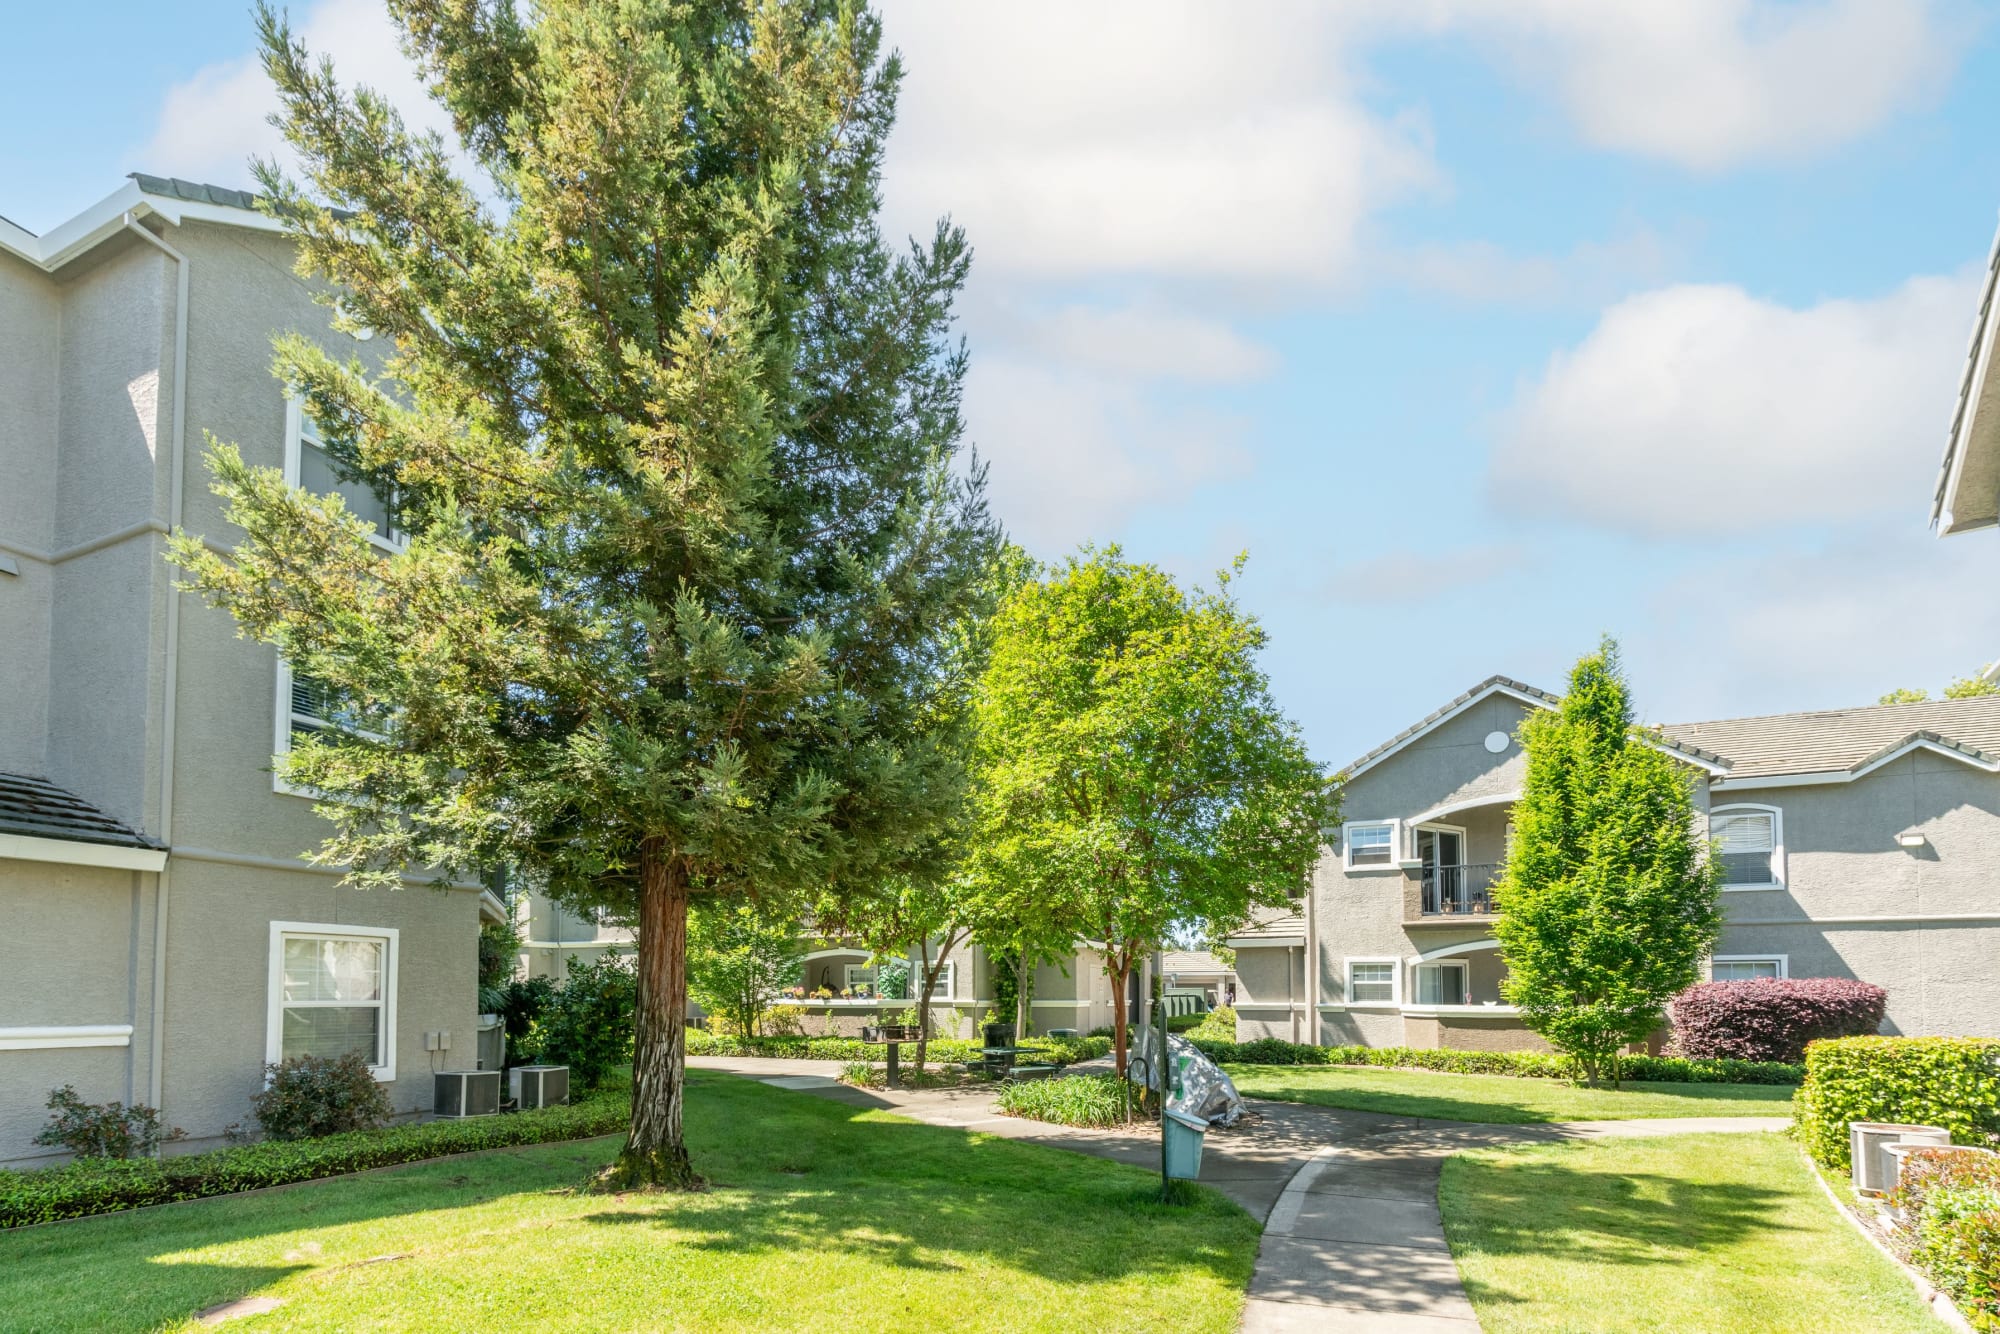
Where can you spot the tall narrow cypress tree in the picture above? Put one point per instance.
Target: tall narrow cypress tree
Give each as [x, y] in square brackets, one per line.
[1609, 899]
[675, 437]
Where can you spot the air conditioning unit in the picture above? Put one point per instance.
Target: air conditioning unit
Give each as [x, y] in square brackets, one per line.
[532, 1086]
[461, 1093]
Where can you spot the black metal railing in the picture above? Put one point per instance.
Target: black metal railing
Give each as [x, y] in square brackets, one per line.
[1450, 891]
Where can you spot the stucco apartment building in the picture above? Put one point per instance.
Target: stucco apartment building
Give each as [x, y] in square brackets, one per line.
[162, 939]
[1859, 843]
[1071, 993]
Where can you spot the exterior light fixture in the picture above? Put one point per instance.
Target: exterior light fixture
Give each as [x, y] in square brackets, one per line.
[1910, 838]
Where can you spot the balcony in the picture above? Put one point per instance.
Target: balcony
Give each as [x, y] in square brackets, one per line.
[1458, 891]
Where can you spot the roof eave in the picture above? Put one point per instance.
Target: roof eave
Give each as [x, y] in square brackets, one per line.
[106, 218]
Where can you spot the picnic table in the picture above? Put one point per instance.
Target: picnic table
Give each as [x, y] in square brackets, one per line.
[1001, 1062]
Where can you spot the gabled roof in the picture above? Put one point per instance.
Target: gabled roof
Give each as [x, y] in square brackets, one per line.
[1968, 486]
[1846, 743]
[168, 198]
[37, 808]
[1183, 963]
[1271, 925]
[1532, 696]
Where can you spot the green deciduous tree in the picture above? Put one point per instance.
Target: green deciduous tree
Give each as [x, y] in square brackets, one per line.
[1135, 773]
[1964, 687]
[675, 438]
[1609, 898]
[739, 961]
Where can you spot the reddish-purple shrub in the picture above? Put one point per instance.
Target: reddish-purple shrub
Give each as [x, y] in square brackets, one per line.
[1772, 1019]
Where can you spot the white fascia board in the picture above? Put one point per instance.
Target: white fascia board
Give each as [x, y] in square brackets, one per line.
[106, 218]
[1454, 807]
[1265, 942]
[1850, 775]
[49, 1037]
[1979, 357]
[1443, 718]
[71, 852]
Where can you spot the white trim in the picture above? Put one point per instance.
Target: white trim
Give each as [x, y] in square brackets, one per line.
[1265, 942]
[1884, 919]
[1470, 803]
[1784, 962]
[74, 852]
[105, 219]
[1500, 1011]
[861, 950]
[1972, 384]
[392, 541]
[274, 1007]
[47, 1037]
[1395, 861]
[194, 854]
[1777, 880]
[1450, 951]
[1395, 982]
[1464, 983]
[1851, 775]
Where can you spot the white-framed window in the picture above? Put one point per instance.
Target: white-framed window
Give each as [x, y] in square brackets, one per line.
[307, 707]
[333, 991]
[1441, 983]
[1369, 845]
[309, 465]
[1371, 981]
[1748, 967]
[1750, 842]
[858, 978]
[947, 981]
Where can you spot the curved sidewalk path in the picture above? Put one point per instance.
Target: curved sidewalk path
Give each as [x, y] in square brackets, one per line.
[1352, 1237]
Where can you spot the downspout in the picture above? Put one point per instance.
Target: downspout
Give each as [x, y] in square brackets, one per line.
[156, 1075]
[1312, 961]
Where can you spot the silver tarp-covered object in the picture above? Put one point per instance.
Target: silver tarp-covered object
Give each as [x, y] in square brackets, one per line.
[1196, 1085]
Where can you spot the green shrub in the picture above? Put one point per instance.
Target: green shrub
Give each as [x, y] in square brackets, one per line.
[1949, 1082]
[700, 1042]
[102, 1129]
[1952, 1204]
[587, 1022]
[1067, 1100]
[1218, 1025]
[1520, 1064]
[309, 1096]
[102, 1186]
[521, 1003]
[499, 955]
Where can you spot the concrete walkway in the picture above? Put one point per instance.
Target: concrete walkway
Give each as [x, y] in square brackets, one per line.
[1352, 1236]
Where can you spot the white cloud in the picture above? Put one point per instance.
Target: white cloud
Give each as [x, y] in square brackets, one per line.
[1484, 272]
[1149, 341]
[1075, 454]
[211, 124]
[1701, 410]
[1177, 138]
[1710, 84]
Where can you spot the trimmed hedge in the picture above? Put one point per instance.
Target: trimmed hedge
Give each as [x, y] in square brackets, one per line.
[1949, 1082]
[103, 1186]
[1952, 1204]
[700, 1042]
[1773, 1018]
[1520, 1064]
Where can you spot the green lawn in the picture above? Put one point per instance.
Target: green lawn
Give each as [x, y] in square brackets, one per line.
[1682, 1233]
[819, 1217]
[1500, 1098]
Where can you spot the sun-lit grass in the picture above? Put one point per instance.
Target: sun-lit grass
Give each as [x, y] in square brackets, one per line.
[819, 1216]
[1674, 1234]
[1500, 1098]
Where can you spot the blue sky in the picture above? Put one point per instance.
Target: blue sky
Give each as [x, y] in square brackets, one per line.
[1483, 329]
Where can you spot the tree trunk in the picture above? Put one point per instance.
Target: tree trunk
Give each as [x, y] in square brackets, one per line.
[1024, 994]
[655, 1153]
[924, 1001]
[1119, 979]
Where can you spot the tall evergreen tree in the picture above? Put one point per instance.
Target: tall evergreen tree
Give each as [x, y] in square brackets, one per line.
[1135, 774]
[675, 437]
[1609, 899]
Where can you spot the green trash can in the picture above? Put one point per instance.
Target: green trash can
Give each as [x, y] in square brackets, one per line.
[1183, 1144]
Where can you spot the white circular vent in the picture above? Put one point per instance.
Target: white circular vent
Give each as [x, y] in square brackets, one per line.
[1496, 741]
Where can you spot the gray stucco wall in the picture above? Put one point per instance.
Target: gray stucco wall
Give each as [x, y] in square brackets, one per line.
[86, 391]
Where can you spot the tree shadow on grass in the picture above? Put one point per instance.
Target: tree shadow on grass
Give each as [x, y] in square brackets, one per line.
[1542, 1208]
[1511, 1106]
[826, 1175]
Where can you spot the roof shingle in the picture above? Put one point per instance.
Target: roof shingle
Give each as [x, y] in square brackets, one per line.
[1832, 740]
[37, 808]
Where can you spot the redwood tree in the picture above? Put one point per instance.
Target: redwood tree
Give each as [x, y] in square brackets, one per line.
[675, 439]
